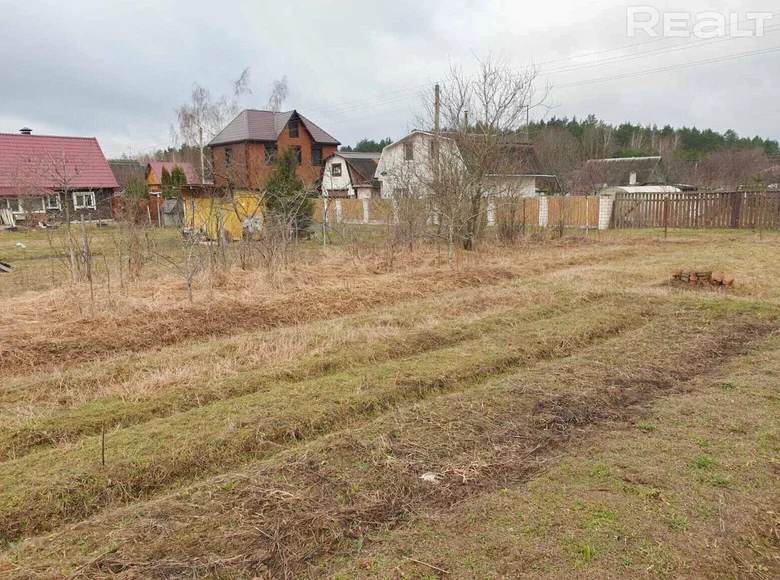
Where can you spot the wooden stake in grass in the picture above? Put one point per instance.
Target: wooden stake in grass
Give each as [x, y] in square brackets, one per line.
[103, 444]
[666, 215]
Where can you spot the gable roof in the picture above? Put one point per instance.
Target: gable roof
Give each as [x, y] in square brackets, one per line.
[37, 164]
[616, 172]
[158, 166]
[125, 169]
[256, 125]
[519, 158]
[362, 169]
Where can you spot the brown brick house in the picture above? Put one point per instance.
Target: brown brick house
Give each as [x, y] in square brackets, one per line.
[244, 151]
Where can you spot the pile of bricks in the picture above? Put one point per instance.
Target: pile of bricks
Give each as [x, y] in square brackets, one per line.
[699, 279]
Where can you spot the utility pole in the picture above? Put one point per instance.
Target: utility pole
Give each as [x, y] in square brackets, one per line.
[202, 170]
[437, 107]
[466, 119]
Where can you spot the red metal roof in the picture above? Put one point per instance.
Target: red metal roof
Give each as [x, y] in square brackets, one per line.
[35, 164]
[157, 167]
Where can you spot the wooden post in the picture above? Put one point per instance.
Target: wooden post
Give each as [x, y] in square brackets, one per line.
[761, 197]
[524, 200]
[666, 215]
[587, 216]
[103, 444]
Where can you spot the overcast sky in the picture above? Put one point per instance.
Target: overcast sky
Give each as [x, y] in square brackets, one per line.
[117, 70]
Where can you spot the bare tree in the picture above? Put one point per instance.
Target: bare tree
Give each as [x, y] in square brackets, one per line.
[277, 95]
[208, 113]
[731, 168]
[559, 153]
[482, 115]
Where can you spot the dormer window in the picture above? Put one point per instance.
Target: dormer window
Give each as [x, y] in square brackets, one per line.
[293, 127]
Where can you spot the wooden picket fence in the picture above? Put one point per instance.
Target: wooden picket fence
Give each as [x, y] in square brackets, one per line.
[721, 209]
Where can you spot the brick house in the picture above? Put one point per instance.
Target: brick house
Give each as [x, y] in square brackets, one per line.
[41, 174]
[243, 153]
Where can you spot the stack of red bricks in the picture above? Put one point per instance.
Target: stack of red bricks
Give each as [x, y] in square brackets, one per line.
[700, 278]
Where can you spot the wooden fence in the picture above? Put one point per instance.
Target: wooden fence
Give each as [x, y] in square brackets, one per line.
[722, 209]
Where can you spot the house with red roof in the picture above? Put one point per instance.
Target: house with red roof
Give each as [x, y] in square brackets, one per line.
[244, 152]
[154, 173]
[47, 178]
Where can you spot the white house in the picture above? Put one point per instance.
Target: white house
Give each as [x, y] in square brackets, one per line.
[350, 174]
[405, 167]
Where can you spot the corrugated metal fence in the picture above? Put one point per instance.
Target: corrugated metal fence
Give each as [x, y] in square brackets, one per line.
[722, 209]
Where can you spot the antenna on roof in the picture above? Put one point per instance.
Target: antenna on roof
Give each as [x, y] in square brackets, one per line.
[25, 131]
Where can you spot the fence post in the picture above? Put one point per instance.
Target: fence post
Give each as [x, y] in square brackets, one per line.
[324, 222]
[761, 198]
[366, 212]
[524, 200]
[666, 215]
[587, 216]
[339, 211]
[396, 211]
[544, 211]
[491, 213]
[606, 200]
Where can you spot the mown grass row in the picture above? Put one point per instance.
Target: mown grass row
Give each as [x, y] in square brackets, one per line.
[331, 497]
[50, 487]
[68, 424]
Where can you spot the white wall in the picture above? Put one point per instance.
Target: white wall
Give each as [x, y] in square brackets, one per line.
[331, 182]
[397, 173]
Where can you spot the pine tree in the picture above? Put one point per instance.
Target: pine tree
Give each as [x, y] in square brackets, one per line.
[287, 202]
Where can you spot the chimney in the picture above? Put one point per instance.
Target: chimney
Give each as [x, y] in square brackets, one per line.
[25, 131]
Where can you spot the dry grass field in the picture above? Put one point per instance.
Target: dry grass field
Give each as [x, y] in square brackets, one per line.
[550, 409]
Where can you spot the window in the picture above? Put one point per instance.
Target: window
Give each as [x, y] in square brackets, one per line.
[83, 200]
[12, 203]
[228, 156]
[335, 170]
[296, 149]
[434, 148]
[316, 156]
[409, 151]
[293, 127]
[52, 202]
[270, 152]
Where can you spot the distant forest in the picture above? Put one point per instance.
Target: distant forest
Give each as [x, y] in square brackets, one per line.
[628, 140]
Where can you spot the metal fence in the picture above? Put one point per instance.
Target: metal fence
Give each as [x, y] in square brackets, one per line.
[721, 209]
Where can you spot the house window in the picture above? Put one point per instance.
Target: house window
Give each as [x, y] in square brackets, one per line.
[409, 151]
[84, 200]
[52, 202]
[12, 203]
[434, 148]
[296, 149]
[228, 156]
[270, 152]
[293, 127]
[335, 170]
[316, 156]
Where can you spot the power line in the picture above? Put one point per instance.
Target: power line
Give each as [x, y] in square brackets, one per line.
[674, 67]
[402, 94]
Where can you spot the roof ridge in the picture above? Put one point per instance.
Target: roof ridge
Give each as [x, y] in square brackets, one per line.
[48, 136]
